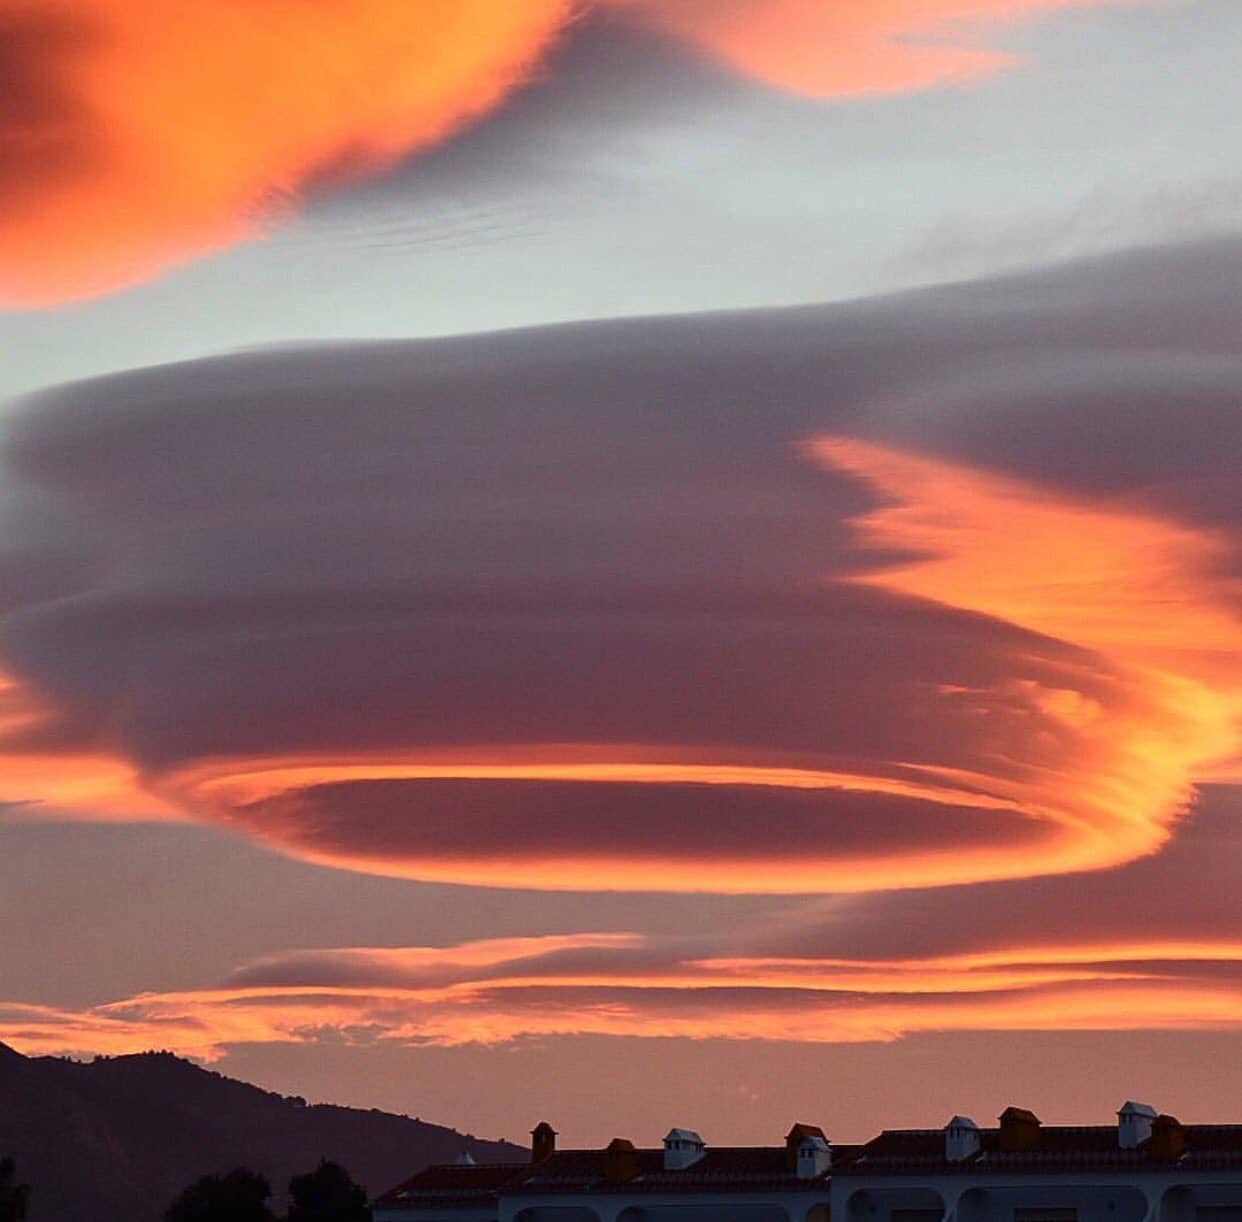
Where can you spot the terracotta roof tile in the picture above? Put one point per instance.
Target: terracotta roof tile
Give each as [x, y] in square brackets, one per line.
[1061, 1148]
[453, 1184]
[720, 1168]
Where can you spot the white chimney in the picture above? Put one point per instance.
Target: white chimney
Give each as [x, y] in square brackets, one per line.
[961, 1139]
[1134, 1124]
[814, 1158]
[682, 1148]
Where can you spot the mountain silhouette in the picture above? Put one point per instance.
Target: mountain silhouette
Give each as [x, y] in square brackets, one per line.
[115, 1139]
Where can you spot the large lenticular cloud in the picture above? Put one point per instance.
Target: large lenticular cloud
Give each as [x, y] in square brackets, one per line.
[669, 604]
[136, 136]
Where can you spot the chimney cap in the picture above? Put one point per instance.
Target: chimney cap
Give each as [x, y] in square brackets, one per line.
[1130, 1108]
[542, 1142]
[620, 1161]
[800, 1131]
[683, 1148]
[683, 1135]
[1019, 1114]
[1167, 1142]
[962, 1122]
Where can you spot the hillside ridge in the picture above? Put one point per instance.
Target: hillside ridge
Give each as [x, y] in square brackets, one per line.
[114, 1139]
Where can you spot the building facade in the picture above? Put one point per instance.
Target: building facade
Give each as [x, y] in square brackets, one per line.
[1145, 1168]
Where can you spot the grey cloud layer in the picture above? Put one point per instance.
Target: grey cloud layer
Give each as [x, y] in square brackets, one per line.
[634, 178]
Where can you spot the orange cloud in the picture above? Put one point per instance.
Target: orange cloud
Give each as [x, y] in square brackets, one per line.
[171, 130]
[1059, 760]
[496, 991]
[842, 48]
[1150, 595]
[143, 136]
[228, 791]
[39, 779]
[1098, 757]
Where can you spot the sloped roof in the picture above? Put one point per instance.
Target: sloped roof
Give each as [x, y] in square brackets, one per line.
[721, 1169]
[1060, 1148]
[453, 1184]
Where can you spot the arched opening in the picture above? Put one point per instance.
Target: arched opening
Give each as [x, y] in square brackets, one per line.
[557, 1213]
[726, 1211]
[1038, 1202]
[906, 1204]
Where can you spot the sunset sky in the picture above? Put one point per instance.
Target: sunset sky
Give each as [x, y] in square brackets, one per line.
[627, 561]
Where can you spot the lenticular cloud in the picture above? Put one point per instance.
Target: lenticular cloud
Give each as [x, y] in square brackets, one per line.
[670, 604]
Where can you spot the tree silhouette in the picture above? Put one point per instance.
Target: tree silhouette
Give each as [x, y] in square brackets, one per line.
[14, 1197]
[328, 1194]
[239, 1196]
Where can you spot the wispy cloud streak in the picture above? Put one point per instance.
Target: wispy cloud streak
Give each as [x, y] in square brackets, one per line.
[834, 48]
[625, 985]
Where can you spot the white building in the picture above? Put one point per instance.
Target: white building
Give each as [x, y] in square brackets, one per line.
[687, 1178]
[1145, 1168]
